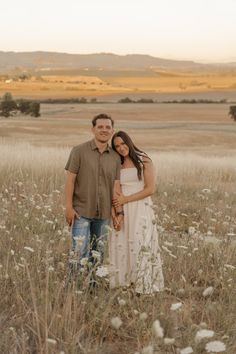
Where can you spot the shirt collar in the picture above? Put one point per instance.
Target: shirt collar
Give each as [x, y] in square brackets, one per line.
[94, 146]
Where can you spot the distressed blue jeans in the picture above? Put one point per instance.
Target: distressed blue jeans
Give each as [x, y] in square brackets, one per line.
[87, 232]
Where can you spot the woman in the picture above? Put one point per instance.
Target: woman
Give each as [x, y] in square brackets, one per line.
[134, 252]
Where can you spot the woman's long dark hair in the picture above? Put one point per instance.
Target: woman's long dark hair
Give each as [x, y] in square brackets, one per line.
[135, 153]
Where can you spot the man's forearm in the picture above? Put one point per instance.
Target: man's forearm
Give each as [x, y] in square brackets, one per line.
[69, 190]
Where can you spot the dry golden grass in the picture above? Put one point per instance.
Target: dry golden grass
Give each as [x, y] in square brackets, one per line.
[75, 85]
[153, 126]
[45, 312]
[177, 82]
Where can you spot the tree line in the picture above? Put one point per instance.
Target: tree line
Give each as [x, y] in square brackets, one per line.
[9, 106]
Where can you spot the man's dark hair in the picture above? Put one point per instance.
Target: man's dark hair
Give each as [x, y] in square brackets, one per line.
[102, 116]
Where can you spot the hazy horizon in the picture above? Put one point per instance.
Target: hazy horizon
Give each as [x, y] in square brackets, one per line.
[233, 60]
[202, 31]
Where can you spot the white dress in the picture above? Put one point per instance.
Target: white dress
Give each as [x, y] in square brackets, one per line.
[134, 253]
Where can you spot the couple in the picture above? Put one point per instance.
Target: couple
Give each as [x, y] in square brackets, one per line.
[98, 174]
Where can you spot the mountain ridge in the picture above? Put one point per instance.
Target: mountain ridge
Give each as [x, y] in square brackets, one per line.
[38, 60]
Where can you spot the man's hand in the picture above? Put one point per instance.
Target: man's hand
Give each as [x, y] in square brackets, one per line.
[118, 222]
[70, 215]
[115, 223]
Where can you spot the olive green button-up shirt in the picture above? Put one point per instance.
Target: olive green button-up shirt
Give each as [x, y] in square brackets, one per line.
[96, 173]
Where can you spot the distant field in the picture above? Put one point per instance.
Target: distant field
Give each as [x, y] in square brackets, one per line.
[98, 83]
[205, 128]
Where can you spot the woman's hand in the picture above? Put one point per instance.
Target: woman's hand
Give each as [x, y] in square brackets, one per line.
[117, 222]
[119, 200]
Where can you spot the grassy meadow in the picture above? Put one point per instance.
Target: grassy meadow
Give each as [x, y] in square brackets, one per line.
[74, 83]
[44, 310]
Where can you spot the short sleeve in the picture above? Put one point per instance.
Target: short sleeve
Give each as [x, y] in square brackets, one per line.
[73, 163]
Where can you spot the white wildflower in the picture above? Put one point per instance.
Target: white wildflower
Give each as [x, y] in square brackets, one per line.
[208, 291]
[143, 316]
[12, 252]
[215, 347]
[84, 261]
[121, 302]
[229, 266]
[147, 350]
[176, 306]
[66, 231]
[191, 230]
[50, 268]
[157, 329]
[102, 271]
[136, 312]
[29, 249]
[96, 255]
[187, 350]
[181, 291]
[108, 228]
[203, 333]
[169, 341]
[206, 190]
[116, 322]
[51, 341]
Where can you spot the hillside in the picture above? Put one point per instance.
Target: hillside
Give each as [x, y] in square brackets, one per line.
[50, 60]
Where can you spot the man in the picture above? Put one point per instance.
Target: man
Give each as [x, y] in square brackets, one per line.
[93, 173]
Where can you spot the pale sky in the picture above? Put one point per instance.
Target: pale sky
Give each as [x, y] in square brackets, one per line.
[200, 30]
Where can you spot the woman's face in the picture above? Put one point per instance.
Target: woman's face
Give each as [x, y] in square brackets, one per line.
[121, 147]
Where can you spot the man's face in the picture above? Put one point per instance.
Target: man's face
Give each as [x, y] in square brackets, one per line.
[103, 130]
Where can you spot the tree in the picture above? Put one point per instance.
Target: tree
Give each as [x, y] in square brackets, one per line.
[24, 106]
[29, 107]
[7, 105]
[35, 109]
[125, 100]
[232, 112]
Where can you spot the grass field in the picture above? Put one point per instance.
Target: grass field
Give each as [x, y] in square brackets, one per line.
[108, 82]
[159, 127]
[42, 311]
